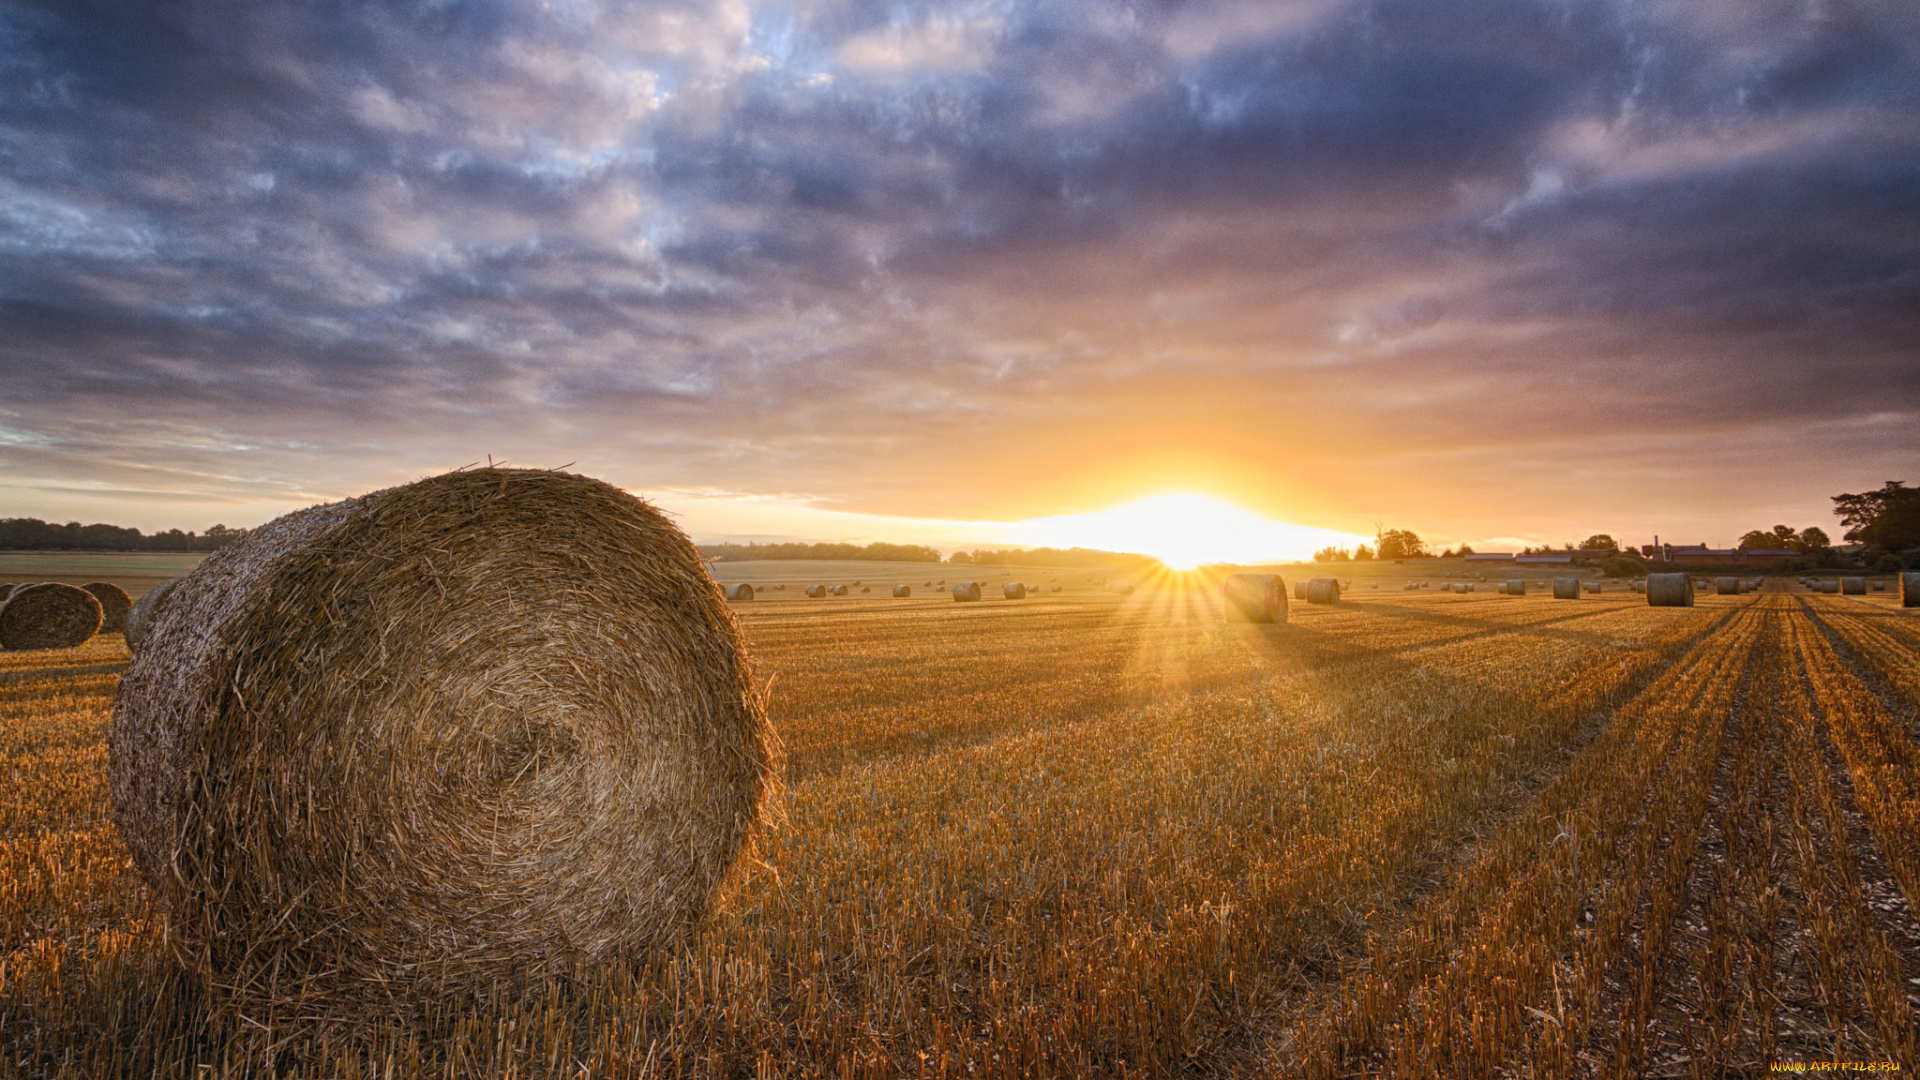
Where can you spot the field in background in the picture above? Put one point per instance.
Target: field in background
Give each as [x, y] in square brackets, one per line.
[1415, 834]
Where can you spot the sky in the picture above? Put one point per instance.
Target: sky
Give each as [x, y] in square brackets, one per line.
[1496, 271]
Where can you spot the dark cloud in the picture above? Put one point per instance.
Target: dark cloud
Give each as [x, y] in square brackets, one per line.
[860, 250]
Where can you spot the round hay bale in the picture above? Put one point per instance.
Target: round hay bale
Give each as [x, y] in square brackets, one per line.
[1910, 589]
[48, 615]
[1829, 586]
[1669, 590]
[1516, 586]
[1854, 586]
[866, 588]
[902, 591]
[1056, 588]
[1468, 587]
[480, 730]
[816, 591]
[1726, 586]
[6, 590]
[1323, 590]
[140, 616]
[1258, 598]
[114, 605]
[1013, 590]
[966, 592]
[1591, 586]
[838, 590]
[1566, 588]
[1639, 586]
[1300, 588]
[742, 591]
[1879, 586]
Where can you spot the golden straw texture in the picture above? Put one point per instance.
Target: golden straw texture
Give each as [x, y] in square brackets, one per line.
[478, 730]
[141, 615]
[48, 616]
[114, 605]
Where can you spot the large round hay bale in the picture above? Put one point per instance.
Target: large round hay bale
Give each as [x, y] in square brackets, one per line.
[1853, 586]
[476, 731]
[1726, 586]
[6, 590]
[902, 591]
[965, 592]
[1516, 586]
[114, 605]
[140, 616]
[48, 615]
[1566, 588]
[1323, 590]
[1259, 598]
[1910, 589]
[816, 591]
[1013, 590]
[1669, 590]
[742, 591]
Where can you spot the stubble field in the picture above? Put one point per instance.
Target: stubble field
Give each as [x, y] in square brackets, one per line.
[1086, 835]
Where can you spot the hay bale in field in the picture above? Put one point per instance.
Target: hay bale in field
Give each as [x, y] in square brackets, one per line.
[1726, 586]
[1468, 587]
[140, 616]
[1829, 586]
[114, 605]
[816, 591]
[1056, 588]
[1258, 598]
[1566, 588]
[966, 592]
[519, 719]
[1013, 590]
[866, 588]
[1516, 587]
[1669, 590]
[902, 591]
[1879, 586]
[1300, 588]
[6, 590]
[1910, 589]
[742, 591]
[48, 615]
[1639, 586]
[1591, 586]
[838, 590]
[1323, 590]
[1854, 586]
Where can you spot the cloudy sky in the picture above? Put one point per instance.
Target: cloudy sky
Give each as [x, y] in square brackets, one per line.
[1487, 269]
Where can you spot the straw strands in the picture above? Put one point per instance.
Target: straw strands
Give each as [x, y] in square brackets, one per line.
[1257, 598]
[467, 733]
[48, 615]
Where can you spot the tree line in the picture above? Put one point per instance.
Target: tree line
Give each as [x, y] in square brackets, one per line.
[32, 534]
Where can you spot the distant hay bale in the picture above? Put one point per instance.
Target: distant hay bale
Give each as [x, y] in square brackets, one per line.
[816, 591]
[929, 583]
[1468, 587]
[780, 587]
[140, 616]
[1516, 586]
[1590, 586]
[114, 605]
[838, 590]
[1828, 586]
[742, 591]
[1854, 586]
[966, 592]
[1910, 589]
[1257, 598]
[48, 615]
[1639, 586]
[1726, 586]
[1056, 588]
[1013, 590]
[866, 588]
[478, 731]
[1300, 588]
[1879, 586]
[1566, 588]
[1669, 590]
[902, 591]
[1323, 590]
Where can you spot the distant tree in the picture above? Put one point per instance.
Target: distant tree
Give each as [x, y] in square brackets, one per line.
[960, 558]
[1465, 550]
[1758, 539]
[1813, 539]
[1363, 553]
[1401, 544]
[1333, 554]
[1625, 564]
[1600, 542]
[1888, 519]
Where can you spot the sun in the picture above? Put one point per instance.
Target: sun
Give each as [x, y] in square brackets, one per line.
[1185, 531]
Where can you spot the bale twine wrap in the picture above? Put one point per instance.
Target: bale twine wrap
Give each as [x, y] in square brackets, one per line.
[1516, 586]
[474, 731]
[1566, 588]
[48, 615]
[140, 617]
[1669, 590]
[1323, 590]
[1910, 590]
[114, 605]
[1854, 586]
[742, 591]
[1257, 598]
[902, 591]
[1726, 586]
[965, 592]
[1013, 590]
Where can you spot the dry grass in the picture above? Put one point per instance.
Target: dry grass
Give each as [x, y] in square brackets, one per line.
[1096, 835]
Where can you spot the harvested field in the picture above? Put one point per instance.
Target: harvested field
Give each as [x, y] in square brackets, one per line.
[1411, 835]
